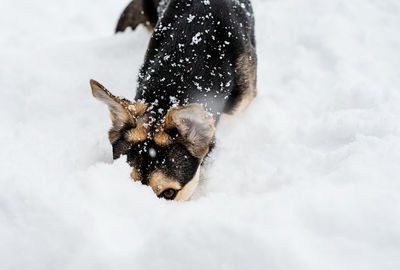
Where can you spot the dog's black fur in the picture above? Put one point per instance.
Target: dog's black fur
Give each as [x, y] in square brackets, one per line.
[205, 72]
[201, 51]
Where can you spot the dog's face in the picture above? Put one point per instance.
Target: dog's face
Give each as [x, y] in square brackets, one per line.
[166, 153]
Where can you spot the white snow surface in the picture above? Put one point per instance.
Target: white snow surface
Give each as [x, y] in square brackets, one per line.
[306, 178]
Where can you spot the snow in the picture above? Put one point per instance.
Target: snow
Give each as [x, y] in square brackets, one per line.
[196, 39]
[190, 18]
[306, 178]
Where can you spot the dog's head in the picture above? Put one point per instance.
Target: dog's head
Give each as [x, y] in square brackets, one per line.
[164, 153]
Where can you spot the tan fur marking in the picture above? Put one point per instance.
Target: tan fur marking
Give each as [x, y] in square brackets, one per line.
[246, 67]
[162, 139]
[135, 175]
[244, 102]
[137, 108]
[140, 132]
[136, 135]
[160, 182]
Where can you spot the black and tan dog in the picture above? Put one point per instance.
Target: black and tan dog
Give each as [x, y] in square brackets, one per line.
[200, 63]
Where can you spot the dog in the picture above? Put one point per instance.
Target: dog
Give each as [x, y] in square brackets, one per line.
[200, 63]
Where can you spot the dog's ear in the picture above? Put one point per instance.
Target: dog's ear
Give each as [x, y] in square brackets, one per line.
[119, 108]
[196, 129]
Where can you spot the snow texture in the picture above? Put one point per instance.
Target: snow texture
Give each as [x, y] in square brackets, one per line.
[306, 178]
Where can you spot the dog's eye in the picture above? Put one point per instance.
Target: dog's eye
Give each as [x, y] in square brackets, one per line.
[169, 194]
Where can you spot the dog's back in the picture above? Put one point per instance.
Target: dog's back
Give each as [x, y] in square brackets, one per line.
[201, 51]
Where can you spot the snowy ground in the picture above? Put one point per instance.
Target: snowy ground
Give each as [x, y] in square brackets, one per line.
[307, 178]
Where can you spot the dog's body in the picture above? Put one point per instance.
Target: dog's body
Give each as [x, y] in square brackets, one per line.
[200, 63]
